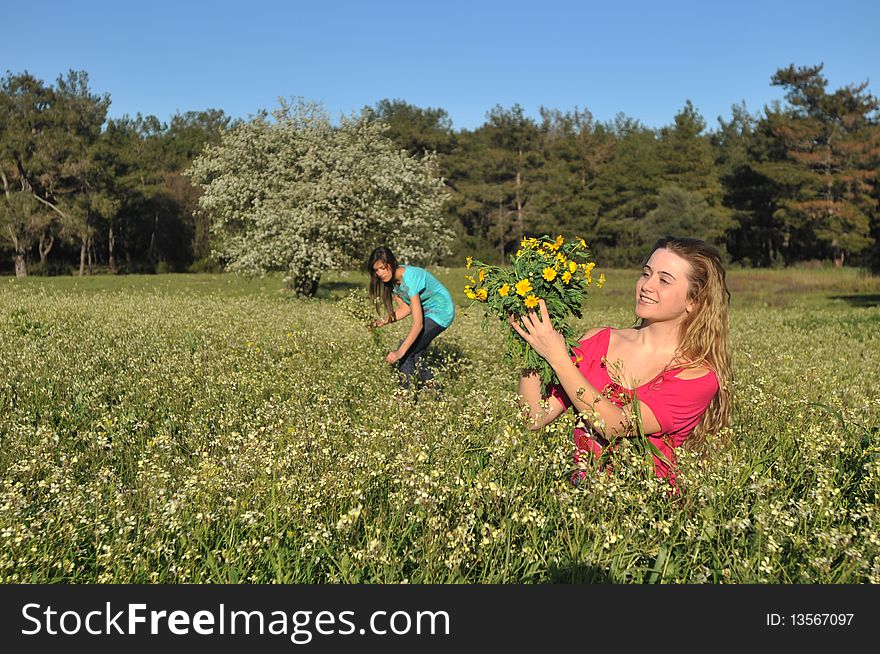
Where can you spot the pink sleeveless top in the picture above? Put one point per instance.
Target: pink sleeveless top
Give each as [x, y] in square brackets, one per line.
[678, 404]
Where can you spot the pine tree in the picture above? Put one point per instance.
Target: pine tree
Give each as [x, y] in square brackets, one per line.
[829, 165]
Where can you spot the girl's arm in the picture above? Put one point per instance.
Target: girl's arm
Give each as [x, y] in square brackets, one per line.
[401, 312]
[540, 412]
[418, 323]
[602, 414]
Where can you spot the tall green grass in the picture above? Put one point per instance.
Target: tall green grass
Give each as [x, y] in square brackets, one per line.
[198, 428]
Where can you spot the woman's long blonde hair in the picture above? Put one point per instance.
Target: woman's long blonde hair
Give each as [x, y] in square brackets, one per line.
[704, 336]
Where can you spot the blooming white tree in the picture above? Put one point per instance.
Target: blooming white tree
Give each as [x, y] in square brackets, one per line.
[301, 195]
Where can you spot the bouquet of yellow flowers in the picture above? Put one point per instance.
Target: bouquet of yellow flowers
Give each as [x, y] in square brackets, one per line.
[554, 270]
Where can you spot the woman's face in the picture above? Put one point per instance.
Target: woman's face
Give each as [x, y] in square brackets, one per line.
[382, 271]
[662, 289]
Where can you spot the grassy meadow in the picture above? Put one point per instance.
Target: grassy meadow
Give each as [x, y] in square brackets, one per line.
[212, 428]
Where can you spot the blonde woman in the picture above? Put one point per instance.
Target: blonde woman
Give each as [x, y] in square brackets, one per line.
[676, 361]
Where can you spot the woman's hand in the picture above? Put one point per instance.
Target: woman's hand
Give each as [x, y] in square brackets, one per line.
[383, 322]
[392, 358]
[540, 334]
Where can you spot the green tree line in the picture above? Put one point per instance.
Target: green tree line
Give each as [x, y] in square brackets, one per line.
[793, 182]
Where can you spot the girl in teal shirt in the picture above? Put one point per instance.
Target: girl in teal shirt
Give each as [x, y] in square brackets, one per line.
[416, 292]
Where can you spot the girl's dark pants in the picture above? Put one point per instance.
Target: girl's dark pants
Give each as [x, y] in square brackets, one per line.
[411, 364]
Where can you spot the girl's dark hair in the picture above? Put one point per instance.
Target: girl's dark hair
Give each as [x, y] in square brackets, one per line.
[380, 290]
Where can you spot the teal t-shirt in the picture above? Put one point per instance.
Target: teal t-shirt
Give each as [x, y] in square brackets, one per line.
[436, 300]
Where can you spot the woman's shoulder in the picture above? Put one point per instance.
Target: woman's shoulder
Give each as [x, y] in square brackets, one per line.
[590, 333]
[592, 346]
[605, 332]
[414, 271]
[694, 373]
[691, 384]
[596, 334]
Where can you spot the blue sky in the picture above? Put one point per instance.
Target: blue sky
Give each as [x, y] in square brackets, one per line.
[644, 59]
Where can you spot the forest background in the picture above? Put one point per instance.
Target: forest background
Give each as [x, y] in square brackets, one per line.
[794, 183]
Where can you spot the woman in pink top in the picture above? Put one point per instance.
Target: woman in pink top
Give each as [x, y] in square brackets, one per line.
[676, 361]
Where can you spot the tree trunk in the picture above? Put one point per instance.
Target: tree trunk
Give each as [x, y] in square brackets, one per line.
[89, 252]
[502, 230]
[20, 265]
[82, 257]
[18, 249]
[152, 251]
[46, 243]
[305, 286]
[111, 256]
[838, 254]
[519, 207]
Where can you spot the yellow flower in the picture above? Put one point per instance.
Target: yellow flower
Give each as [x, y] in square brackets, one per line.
[582, 244]
[555, 245]
[482, 274]
[531, 302]
[482, 294]
[523, 286]
[469, 261]
[572, 267]
[470, 279]
[504, 290]
[560, 259]
[566, 276]
[549, 274]
[601, 281]
[518, 254]
[468, 291]
[588, 267]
